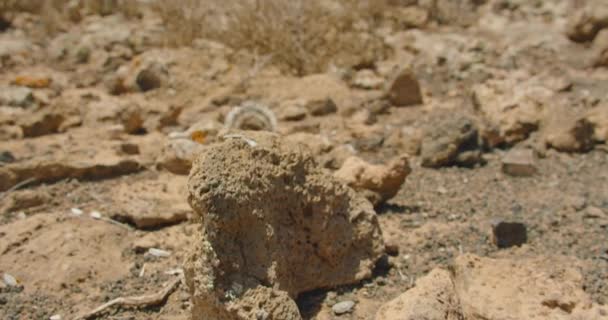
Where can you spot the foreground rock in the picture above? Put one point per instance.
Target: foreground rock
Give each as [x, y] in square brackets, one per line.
[378, 183]
[497, 289]
[451, 141]
[274, 226]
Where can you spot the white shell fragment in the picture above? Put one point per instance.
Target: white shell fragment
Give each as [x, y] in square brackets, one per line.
[159, 253]
[55, 317]
[76, 211]
[95, 215]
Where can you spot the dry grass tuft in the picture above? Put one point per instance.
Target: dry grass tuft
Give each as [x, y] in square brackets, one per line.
[301, 36]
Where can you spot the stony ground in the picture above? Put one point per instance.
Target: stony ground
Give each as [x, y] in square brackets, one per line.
[94, 163]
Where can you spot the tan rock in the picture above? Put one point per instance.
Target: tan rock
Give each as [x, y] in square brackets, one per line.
[598, 117]
[404, 89]
[321, 107]
[23, 200]
[433, 298]
[378, 183]
[177, 155]
[412, 17]
[41, 123]
[512, 107]
[519, 163]
[584, 24]
[498, 289]
[566, 130]
[293, 229]
[600, 48]
[152, 203]
[502, 289]
[82, 155]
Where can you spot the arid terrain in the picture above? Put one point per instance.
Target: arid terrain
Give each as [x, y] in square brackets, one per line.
[431, 159]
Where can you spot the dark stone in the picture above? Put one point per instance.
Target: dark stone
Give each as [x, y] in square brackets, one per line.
[6, 157]
[509, 234]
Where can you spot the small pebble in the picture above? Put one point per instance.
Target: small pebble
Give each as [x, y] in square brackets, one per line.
[159, 253]
[343, 307]
[76, 211]
[95, 215]
[9, 280]
[55, 317]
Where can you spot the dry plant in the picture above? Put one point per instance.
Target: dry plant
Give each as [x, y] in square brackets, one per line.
[301, 36]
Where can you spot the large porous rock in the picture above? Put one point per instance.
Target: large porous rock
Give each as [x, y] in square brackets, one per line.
[273, 223]
[498, 289]
[451, 141]
[512, 107]
[378, 183]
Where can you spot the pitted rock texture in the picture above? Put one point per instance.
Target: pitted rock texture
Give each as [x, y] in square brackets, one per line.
[271, 218]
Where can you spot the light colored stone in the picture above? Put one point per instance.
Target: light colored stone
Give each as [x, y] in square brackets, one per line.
[433, 298]
[343, 307]
[566, 130]
[513, 108]
[598, 117]
[479, 288]
[16, 96]
[378, 183]
[151, 203]
[519, 163]
[367, 79]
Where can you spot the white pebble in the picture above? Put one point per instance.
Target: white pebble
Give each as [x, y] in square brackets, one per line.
[76, 211]
[55, 317]
[343, 307]
[10, 280]
[96, 215]
[159, 253]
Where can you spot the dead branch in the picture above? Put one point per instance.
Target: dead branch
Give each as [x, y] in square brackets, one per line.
[135, 302]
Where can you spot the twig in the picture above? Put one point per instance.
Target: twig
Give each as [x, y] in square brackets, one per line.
[137, 301]
[116, 223]
[16, 187]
